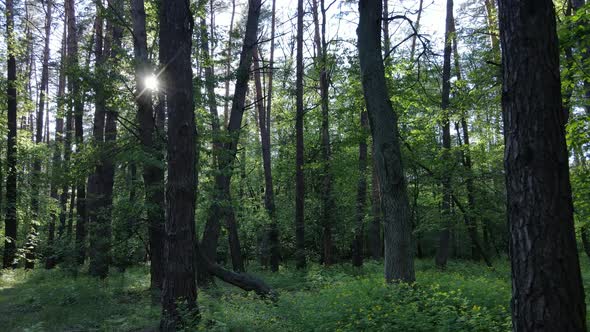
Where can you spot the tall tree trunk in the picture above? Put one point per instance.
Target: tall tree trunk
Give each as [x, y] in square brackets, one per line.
[10, 223]
[547, 290]
[32, 243]
[399, 260]
[269, 201]
[75, 90]
[327, 199]
[179, 287]
[153, 172]
[275, 249]
[100, 230]
[442, 252]
[50, 259]
[469, 215]
[95, 191]
[222, 205]
[300, 255]
[361, 194]
[227, 158]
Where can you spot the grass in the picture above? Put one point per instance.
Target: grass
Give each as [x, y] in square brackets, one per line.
[465, 297]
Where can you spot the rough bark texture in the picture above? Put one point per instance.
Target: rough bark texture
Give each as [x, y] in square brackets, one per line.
[300, 255]
[10, 223]
[361, 194]
[399, 260]
[176, 27]
[227, 158]
[375, 242]
[153, 172]
[547, 291]
[442, 252]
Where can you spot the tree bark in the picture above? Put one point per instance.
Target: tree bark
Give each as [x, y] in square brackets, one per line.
[10, 223]
[179, 287]
[374, 232]
[153, 172]
[417, 27]
[300, 254]
[361, 194]
[442, 252]
[32, 242]
[547, 290]
[74, 82]
[399, 260]
[228, 65]
[227, 157]
[327, 201]
[269, 200]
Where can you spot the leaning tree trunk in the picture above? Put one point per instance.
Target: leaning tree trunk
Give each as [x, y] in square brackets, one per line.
[153, 173]
[179, 288]
[547, 290]
[228, 65]
[227, 156]
[399, 259]
[10, 223]
[442, 252]
[221, 207]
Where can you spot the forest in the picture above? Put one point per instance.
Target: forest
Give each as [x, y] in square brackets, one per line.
[274, 165]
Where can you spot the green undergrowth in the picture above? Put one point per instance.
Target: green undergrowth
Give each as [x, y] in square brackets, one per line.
[465, 297]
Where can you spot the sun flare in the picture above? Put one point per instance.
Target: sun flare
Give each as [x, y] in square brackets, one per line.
[151, 82]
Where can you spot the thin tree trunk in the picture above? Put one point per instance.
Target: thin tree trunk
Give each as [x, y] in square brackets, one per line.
[417, 27]
[361, 194]
[327, 200]
[269, 201]
[228, 65]
[442, 252]
[399, 260]
[74, 82]
[547, 289]
[179, 287]
[32, 243]
[300, 254]
[10, 223]
[469, 216]
[275, 249]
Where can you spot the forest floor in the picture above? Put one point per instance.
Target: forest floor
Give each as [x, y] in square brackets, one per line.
[465, 297]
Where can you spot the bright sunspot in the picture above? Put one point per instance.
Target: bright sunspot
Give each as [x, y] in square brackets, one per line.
[151, 82]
